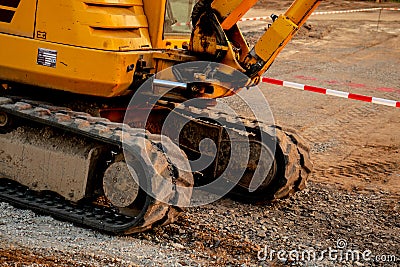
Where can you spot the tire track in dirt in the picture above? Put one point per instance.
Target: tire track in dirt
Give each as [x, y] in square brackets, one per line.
[368, 170]
[362, 176]
[342, 155]
[341, 126]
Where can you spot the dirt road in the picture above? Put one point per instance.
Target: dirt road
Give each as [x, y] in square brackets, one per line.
[353, 195]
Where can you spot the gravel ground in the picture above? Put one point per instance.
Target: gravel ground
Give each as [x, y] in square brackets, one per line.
[353, 198]
[58, 243]
[225, 233]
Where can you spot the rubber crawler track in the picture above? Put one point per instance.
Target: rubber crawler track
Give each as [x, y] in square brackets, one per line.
[296, 156]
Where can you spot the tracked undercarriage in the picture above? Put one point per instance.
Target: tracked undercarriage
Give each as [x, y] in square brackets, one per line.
[71, 165]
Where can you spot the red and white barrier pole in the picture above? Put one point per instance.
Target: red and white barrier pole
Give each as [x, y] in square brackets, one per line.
[330, 12]
[325, 91]
[313, 14]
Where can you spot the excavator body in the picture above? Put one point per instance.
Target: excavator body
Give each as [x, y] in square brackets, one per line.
[85, 47]
[100, 52]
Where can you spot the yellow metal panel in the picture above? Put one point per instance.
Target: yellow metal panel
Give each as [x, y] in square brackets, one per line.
[22, 15]
[111, 21]
[155, 11]
[115, 2]
[108, 25]
[300, 10]
[275, 38]
[75, 69]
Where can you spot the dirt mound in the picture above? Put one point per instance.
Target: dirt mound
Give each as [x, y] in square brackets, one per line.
[315, 31]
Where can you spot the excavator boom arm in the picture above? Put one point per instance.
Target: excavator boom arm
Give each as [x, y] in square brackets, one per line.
[277, 36]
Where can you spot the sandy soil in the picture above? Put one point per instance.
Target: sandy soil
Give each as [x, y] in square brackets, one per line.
[354, 191]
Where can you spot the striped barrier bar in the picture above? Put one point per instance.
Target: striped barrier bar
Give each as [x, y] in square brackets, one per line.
[313, 14]
[178, 24]
[346, 11]
[330, 12]
[325, 91]
[255, 18]
[391, 8]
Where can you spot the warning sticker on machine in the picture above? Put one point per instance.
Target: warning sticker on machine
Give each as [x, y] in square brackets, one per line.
[47, 57]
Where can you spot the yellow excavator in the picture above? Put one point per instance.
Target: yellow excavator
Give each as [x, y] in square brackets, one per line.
[72, 146]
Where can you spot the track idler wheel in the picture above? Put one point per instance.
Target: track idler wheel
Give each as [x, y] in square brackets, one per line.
[120, 186]
[5, 122]
[158, 201]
